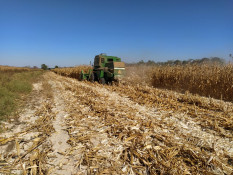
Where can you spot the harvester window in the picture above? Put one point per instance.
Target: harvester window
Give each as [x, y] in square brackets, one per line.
[102, 60]
[110, 59]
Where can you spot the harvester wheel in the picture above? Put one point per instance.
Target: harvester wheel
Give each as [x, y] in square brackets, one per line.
[92, 77]
[102, 81]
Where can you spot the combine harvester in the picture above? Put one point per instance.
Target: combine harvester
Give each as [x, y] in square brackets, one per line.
[106, 69]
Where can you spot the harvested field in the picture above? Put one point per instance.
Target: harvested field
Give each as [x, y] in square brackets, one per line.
[74, 127]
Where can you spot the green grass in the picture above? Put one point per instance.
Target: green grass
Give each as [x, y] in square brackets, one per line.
[12, 87]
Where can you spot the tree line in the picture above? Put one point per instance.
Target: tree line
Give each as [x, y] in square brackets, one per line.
[215, 60]
[45, 67]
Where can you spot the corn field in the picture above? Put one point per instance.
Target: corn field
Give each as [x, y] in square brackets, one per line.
[8, 69]
[206, 80]
[73, 72]
[214, 81]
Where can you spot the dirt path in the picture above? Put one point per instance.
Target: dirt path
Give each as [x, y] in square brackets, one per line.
[74, 127]
[60, 161]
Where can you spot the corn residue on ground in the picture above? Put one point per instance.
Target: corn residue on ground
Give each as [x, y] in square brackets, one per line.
[74, 127]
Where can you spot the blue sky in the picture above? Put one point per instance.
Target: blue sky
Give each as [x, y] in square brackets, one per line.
[72, 32]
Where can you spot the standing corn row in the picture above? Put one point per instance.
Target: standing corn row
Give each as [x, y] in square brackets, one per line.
[206, 80]
[73, 72]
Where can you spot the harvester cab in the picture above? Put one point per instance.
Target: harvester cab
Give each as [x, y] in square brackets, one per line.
[106, 69]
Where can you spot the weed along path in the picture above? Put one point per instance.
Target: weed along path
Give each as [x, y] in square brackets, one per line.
[73, 127]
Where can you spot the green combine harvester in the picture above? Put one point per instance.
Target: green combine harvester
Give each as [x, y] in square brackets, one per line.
[106, 69]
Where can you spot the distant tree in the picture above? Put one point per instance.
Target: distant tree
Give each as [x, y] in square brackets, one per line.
[190, 61]
[56, 66]
[150, 63]
[177, 62]
[184, 62]
[44, 66]
[217, 60]
[35, 67]
[204, 60]
[141, 62]
[170, 62]
[196, 61]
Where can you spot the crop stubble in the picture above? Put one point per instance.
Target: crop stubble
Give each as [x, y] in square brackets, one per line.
[136, 129]
[129, 129]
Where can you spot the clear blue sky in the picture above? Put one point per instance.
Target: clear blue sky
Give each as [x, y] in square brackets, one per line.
[72, 32]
